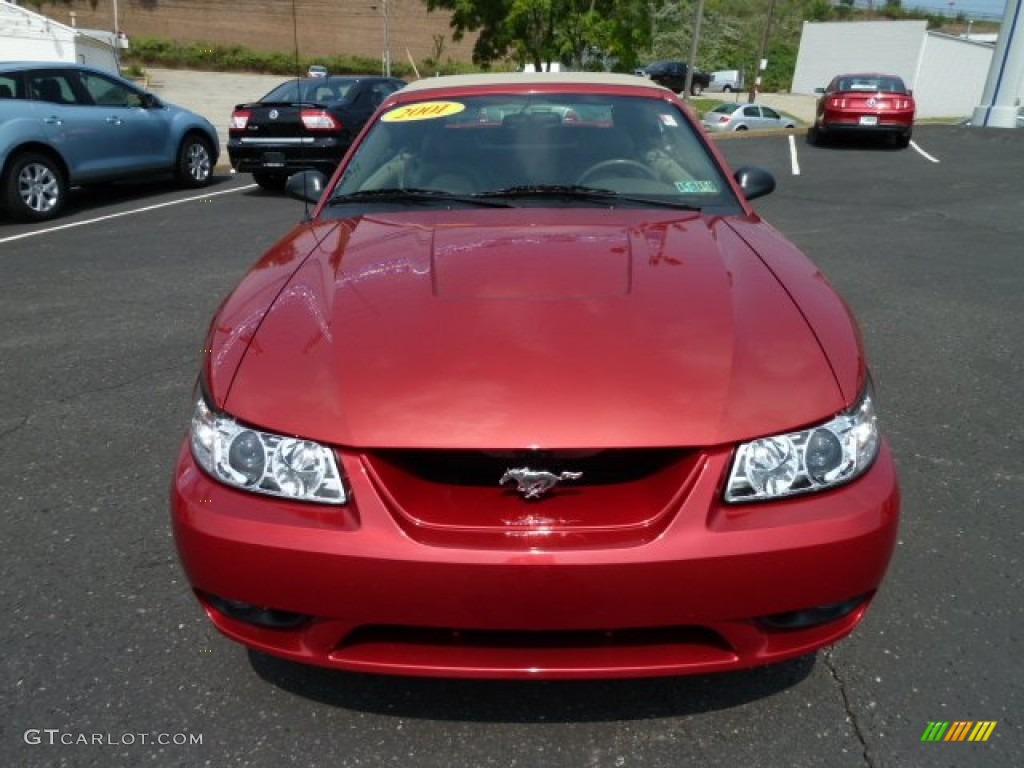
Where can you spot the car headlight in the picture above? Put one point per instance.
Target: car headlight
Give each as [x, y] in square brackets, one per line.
[263, 462]
[809, 460]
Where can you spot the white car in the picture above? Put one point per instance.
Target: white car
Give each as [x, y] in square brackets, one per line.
[316, 70]
[732, 116]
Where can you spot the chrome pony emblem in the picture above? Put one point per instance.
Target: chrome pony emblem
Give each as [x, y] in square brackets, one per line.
[534, 483]
[872, 101]
[274, 114]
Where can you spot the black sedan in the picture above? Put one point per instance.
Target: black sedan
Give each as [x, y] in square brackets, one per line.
[303, 124]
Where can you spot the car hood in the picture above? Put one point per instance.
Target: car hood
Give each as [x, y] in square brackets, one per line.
[539, 328]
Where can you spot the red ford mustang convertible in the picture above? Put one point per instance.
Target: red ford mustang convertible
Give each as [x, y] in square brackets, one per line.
[534, 393]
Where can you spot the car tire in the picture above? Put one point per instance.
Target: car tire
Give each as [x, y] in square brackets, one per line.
[814, 137]
[696, 89]
[726, 89]
[34, 188]
[741, 128]
[902, 140]
[272, 182]
[195, 161]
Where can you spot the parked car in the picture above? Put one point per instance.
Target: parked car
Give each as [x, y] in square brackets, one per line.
[864, 104]
[316, 70]
[63, 125]
[726, 81]
[534, 398]
[303, 124]
[731, 116]
[672, 75]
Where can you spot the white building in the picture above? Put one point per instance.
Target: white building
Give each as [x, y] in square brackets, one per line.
[28, 36]
[946, 73]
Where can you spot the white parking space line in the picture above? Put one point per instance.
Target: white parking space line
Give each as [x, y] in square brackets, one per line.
[921, 152]
[794, 160]
[132, 212]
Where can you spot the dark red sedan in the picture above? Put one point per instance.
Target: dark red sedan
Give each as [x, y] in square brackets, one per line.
[864, 104]
[534, 394]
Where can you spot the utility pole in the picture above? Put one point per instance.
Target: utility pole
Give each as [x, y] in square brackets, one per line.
[688, 85]
[761, 63]
[387, 40]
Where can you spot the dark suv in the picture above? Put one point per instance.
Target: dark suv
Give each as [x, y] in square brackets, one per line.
[672, 75]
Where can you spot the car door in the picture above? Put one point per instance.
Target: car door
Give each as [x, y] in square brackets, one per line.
[68, 122]
[363, 99]
[771, 118]
[751, 117]
[137, 129]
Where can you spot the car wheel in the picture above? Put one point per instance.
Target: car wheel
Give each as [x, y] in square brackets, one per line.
[726, 89]
[902, 140]
[34, 188]
[273, 182]
[741, 127]
[814, 136]
[195, 161]
[696, 89]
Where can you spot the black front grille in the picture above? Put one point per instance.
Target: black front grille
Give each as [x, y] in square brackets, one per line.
[484, 468]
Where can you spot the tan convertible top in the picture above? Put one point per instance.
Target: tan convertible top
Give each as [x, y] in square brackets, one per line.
[531, 78]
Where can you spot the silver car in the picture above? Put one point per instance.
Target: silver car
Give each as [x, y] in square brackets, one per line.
[731, 116]
[64, 125]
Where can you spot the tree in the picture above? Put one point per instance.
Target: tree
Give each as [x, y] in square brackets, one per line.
[545, 31]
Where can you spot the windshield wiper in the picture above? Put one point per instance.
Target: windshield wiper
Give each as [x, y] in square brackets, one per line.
[414, 196]
[584, 193]
[552, 190]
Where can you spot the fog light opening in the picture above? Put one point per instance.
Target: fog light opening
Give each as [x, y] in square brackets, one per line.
[257, 615]
[812, 617]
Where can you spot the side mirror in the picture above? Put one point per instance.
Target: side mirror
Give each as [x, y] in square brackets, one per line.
[307, 186]
[819, 90]
[149, 101]
[755, 182]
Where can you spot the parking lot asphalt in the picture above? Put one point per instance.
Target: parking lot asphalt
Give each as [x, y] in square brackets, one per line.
[103, 315]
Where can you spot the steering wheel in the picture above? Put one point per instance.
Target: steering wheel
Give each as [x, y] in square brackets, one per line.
[632, 167]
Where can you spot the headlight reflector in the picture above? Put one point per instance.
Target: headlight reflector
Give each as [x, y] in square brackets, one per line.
[263, 462]
[809, 460]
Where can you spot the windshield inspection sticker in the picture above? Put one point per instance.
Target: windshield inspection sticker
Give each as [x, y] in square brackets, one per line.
[426, 110]
[668, 120]
[693, 187]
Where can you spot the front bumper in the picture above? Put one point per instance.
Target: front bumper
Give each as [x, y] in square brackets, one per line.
[368, 597]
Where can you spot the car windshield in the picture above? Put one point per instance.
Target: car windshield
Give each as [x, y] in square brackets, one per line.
[561, 148]
[314, 89]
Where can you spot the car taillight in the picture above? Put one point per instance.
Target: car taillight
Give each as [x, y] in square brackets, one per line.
[836, 103]
[239, 119]
[724, 119]
[319, 120]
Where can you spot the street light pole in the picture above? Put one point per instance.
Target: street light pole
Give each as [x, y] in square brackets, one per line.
[760, 57]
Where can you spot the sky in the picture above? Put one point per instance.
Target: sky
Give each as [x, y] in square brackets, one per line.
[972, 9]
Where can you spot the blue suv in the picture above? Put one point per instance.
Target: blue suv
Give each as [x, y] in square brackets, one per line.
[62, 125]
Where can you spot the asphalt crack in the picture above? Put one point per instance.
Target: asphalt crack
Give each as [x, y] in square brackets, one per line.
[848, 708]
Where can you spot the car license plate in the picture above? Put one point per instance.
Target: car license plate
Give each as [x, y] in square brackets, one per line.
[869, 120]
[276, 159]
